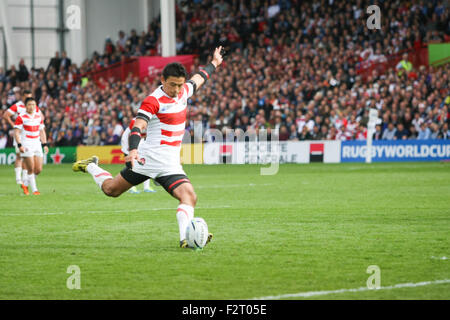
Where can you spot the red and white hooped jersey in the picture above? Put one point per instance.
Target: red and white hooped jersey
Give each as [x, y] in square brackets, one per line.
[18, 108]
[30, 126]
[166, 126]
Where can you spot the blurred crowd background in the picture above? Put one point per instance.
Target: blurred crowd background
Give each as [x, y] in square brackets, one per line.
[290, 65]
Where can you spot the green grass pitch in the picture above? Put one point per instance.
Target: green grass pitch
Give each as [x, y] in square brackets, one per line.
[308, 228]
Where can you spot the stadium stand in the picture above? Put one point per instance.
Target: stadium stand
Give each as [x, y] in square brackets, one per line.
[311, 70]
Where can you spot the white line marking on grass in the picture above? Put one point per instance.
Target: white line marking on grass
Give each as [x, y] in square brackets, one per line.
[225, 186]
[32, 214]
[125, 211]
[106, 211]
[361, 289]
[154, 209]
[439, 258]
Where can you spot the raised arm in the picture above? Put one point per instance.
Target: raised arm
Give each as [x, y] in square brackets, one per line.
[203, 75]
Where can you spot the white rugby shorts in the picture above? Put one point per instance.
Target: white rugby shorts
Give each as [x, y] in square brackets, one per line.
[32, 150]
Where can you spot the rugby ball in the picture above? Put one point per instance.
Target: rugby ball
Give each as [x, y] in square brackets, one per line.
[197, 233]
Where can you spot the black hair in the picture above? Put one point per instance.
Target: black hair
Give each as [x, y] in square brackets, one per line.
[28, 100]
[26, 92]
[174, 69]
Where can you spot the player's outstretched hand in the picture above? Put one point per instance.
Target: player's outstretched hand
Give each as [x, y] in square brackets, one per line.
[217, 57]
[129, 159]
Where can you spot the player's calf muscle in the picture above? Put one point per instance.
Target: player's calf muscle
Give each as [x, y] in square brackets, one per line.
[186, 194]
[115, 187]
[193, 198]
[29, 165]
[38, 169]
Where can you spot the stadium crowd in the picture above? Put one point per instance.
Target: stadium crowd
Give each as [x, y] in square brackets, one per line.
[291, 65]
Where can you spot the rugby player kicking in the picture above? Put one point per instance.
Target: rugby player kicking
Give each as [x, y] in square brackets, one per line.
[163, 115]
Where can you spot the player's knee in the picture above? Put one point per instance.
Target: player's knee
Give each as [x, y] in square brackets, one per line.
[111, 193]
[115, 194]
[37, 171]
[189, 198]
[109, 190]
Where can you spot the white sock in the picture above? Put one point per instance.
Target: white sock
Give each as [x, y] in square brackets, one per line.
[25, 177]
[98, 174]
[185, 214]
[32, 182]
[147, 184]
[18, 171]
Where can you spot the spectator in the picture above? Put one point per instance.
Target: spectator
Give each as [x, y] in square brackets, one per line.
[93, 139]
[111, 138]
[378, 133]
[3, 140]
[134, 38]
[424, 132]
[435, 133]
[85, 136]
[72, 140]
[316, 135]
[362, 133]
[122, 42]
[389, 132]
[103, 138]
[109, 47]
[65, 62]
[445, 134]
[418, 120]
[284, 133]
[11, 76]
[2, 77]
[54, 63]
[293, 136]
[323, 133]
[22, 74]
[273, 9]
[412, 133]
[404, 65]
[179, 45]
[62, 140]
[117, 128]
[401, 133]
[305, 135]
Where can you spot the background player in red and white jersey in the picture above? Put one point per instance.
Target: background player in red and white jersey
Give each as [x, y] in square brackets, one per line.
[124, 145]
[10, 116]
[29, 133]
[163, 115]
